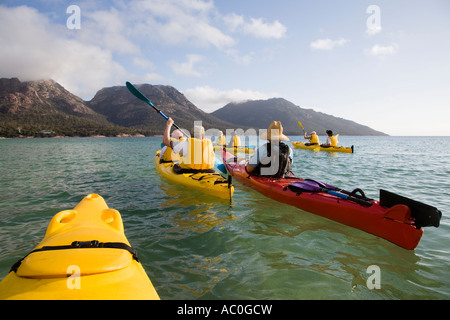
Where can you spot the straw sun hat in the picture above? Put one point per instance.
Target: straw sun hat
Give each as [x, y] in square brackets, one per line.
[275, 132]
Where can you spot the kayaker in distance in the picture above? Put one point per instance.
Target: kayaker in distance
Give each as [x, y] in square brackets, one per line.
[196, 153]
[167, 154]
[221, 140]
[332, 140]
[264, 161]
[313, 139]
[234, 142]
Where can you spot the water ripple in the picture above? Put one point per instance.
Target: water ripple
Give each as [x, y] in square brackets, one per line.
[199, 247]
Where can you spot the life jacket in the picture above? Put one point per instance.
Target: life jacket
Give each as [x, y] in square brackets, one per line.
[200, 155]
[334, 140]
[169, 155]
[235, 142]
[314, 139]
[284, 163]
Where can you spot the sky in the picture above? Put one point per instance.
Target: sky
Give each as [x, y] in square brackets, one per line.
[384, 64]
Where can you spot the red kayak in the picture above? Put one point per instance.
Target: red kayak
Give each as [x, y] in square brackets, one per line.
[394, 218]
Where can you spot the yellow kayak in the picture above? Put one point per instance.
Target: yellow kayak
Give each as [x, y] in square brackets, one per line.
[210, 183]
[235, 150]
[317, 147]
[84, 255]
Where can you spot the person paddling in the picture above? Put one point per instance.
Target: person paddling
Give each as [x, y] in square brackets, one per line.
[167, 154]
[196, 154]
[273, 159]
[221, 140]
[313, 139]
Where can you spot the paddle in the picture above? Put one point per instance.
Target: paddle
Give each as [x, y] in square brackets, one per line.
[230, 181]
[361, 194]
[140, 96]
[311, 186]
[300, 124]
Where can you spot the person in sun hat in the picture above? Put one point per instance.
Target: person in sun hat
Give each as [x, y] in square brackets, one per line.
[274, 158]
[167, 154]
[221, 139]
[196, 153]
[313, 139]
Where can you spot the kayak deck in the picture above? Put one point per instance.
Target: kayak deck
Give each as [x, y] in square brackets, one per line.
[83, 255]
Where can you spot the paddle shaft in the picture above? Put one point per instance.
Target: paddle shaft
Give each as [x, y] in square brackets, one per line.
[140, 96]
[301, 126]
[347, 197]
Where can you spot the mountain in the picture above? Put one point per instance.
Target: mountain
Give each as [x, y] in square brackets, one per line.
[122, 108]
[32, 107]
[260, 113]
[43, 96]
[45, 108]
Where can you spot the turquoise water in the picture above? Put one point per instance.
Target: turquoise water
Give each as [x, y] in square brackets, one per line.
[200, 247]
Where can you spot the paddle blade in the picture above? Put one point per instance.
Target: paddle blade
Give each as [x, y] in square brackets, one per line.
[137, 93]
[220, 166]
[140, 96]
[300, 124]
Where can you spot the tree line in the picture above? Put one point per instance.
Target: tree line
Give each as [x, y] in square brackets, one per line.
[51, 125]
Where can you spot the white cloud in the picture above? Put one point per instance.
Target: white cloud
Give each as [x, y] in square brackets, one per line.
[33, 49]
[125, 34]
[328, 44]
[209, 99]
[179, 22]
[378, 50]
[188, 68]
[106, 29]
[234, 21]
[255, 27]
[373, 30]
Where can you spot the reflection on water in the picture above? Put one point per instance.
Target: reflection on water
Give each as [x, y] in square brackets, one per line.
[196, 215]
[199, 247]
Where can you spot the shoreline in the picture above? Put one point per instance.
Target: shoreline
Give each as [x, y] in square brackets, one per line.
[124, 135]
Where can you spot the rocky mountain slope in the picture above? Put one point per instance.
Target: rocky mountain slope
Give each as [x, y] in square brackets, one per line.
[122, 108]
[260, 113]
[45, 108]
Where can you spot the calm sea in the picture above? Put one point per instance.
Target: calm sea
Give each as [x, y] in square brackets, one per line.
[199, 247]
